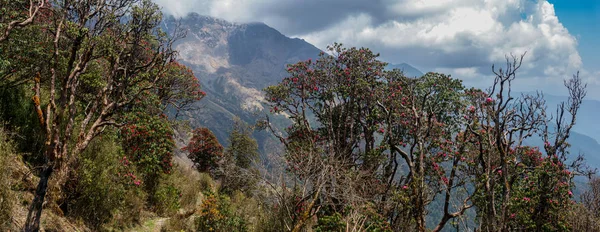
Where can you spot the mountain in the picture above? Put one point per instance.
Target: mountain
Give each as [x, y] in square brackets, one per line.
[586, 132]
[587, 117]
[408, 70]
[234, 62]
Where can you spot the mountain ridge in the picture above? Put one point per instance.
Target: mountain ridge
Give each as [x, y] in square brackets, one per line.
[233, 63]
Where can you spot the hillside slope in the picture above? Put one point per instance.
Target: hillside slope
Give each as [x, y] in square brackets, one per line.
[234, 62]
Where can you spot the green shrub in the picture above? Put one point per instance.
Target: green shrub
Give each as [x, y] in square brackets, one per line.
[6, 197]
[330, 223]
[188, 181]
[106, 190]
[178, 223]
[18, 112]
[166, 199]
[206, 182]
[217, 214]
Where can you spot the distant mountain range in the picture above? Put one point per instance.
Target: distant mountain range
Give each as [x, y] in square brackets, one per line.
[406, 69]
[234, 62]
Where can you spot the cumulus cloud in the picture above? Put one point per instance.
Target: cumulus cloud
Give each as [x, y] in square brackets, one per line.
[460, 37]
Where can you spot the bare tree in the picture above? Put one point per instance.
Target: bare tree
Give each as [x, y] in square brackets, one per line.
[501, 127]
[591, 197]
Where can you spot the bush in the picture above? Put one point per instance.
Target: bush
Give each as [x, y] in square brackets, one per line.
[582, 219]
[330, 223]
[207, 183]
[234, 178]
[105, 190]
[6, 197]
[217, 214]
[166, 199]
[178, 223]
[190, 184]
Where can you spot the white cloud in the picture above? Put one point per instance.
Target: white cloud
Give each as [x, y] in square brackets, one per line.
[461, 37]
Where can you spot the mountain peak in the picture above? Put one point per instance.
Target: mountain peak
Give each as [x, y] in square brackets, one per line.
[407, 69]
[205, 18]
[234, 61]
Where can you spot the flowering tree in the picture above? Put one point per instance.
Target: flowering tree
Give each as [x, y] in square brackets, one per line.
[148, 143]
[103, 58]
[332, 141]
[501, 124]
[423, 127]
[367, 124]
[361, 135]
[204, 150]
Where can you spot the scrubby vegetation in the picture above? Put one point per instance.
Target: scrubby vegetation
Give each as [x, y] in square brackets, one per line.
[7, 199]
[88, 91]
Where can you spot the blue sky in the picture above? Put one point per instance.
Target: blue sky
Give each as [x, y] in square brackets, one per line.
[458, 37]
[582, 18]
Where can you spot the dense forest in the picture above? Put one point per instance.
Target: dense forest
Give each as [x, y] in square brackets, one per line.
[90, 99]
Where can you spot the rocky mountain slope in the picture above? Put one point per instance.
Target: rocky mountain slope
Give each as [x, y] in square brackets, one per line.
[234, 62]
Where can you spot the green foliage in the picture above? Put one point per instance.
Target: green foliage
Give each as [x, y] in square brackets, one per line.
[17, 110]
[206, 182]
[7, 197]
[236, 171]
[179, 87]
[104, 192]
[375, 222]
[583, 219]
[166, 199]
[190, 183]
[111, 64]
[218, 215]
[542, 197]
[330, 223]
[351, 125]
[242, 147]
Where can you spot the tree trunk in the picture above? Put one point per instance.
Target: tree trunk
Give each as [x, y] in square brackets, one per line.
[442, 223]
[35, 211]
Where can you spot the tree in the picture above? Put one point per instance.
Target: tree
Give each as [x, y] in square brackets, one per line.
[585, 216]
[204, 150]
[242, 147]
[423, 126]
[331, 144]
[148, 143]
[18, 14]
[500, 125]
[362, 136]
[591, 197]
[104, 57]
[237, 170]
